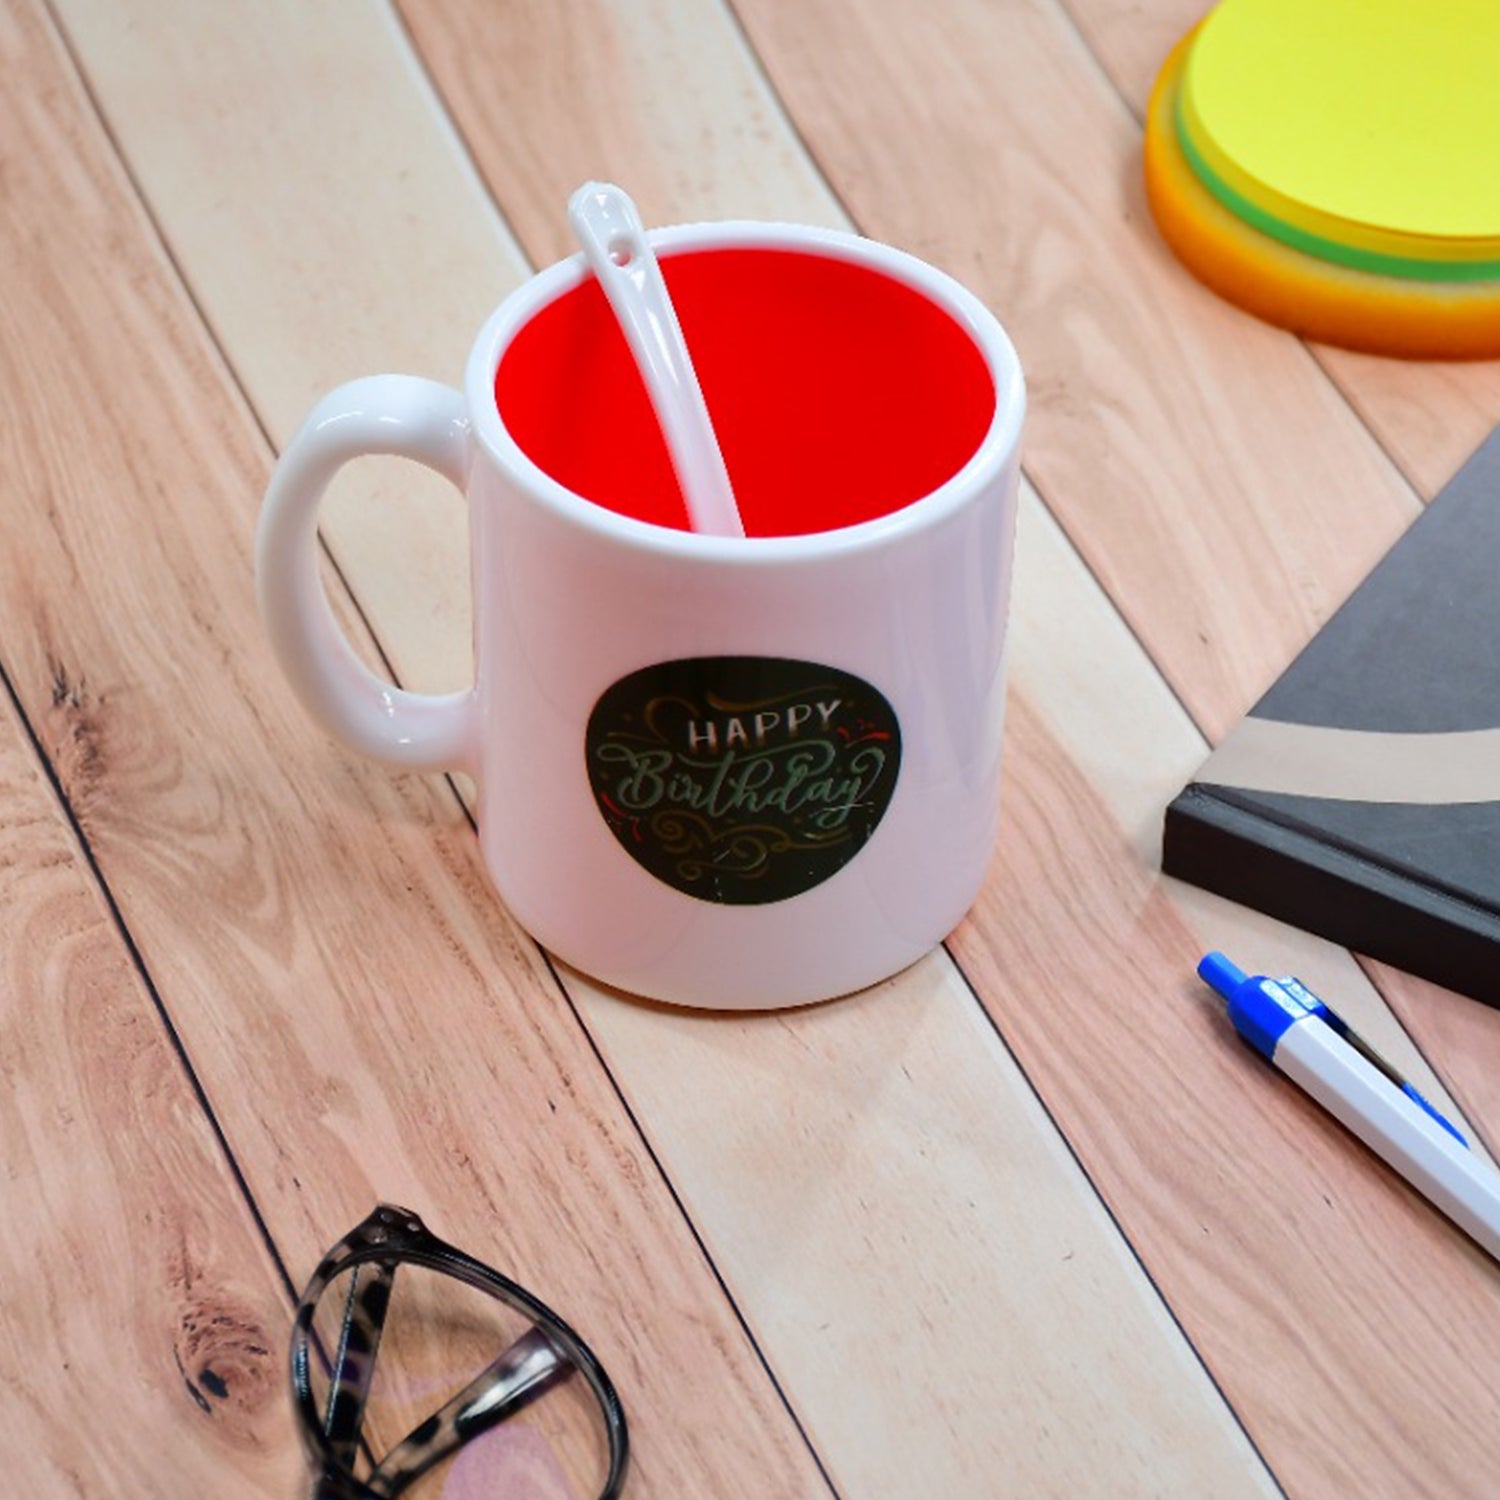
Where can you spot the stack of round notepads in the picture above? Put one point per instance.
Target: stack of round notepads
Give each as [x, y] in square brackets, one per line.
[1334, 166]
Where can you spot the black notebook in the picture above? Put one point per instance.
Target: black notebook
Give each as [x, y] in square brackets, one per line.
[1360, 798]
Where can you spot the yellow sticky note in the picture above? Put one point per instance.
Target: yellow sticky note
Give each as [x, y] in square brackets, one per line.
[1364, 120]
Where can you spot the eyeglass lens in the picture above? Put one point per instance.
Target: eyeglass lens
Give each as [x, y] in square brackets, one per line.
[450, 1361]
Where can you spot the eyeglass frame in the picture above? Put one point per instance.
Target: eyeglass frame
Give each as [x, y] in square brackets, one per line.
[389, 1237]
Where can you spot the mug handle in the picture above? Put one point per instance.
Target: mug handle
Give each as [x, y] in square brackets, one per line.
[401, 415]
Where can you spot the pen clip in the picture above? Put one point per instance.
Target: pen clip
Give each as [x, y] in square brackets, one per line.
[1336, 1023]
[1325, 1013]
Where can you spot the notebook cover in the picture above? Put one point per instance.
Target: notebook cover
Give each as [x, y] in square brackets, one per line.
[1360, 798]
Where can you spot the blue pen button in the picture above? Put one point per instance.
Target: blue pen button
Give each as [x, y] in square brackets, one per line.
[1221, 973]
[1261, 1010]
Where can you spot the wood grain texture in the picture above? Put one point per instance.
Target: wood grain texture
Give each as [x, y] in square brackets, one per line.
[269, 105]
[671, 96]
[993, 1186]
[1122, 1399]
[1243, 1332]
[1428, 414]
[687, 1158]
[364, 1017]
[946, 1297]
[142, 1316]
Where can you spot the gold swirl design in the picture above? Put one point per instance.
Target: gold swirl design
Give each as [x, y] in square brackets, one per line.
[745, 852]
[682, 832]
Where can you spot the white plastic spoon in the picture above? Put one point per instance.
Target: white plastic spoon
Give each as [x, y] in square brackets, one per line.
[613, 238]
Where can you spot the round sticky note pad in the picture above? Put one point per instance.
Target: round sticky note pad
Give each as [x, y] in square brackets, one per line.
[1309, 294]
[1372, 114]
[1330, 165]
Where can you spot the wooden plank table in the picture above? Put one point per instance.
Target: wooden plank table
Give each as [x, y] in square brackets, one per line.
[1023, 1221]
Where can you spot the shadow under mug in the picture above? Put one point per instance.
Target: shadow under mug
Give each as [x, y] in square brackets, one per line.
[720, 772]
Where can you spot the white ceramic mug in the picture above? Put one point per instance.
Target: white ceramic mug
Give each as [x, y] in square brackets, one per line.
[721, 772]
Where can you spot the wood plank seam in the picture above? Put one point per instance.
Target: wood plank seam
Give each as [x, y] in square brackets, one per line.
[1312, 350]
[248, 406]
[79, 989]
[351, 598]
[1488, 1135]
[137, 958]
[164, 245]
[195, 1083]
[438, 108]
[687, 1218]
[1114, 1219]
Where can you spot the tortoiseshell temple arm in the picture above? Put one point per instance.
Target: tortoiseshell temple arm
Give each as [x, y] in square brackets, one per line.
[530, 1367]
[354, 1367]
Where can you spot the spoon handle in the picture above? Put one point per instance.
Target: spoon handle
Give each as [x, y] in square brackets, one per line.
[614, 240]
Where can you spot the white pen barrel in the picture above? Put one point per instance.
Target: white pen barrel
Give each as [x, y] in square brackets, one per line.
[1363, 1099]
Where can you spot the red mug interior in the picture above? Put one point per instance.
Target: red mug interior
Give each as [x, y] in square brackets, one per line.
[838, 393]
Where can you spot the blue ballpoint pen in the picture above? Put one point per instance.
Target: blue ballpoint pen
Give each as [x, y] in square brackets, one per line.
[1285, 1022]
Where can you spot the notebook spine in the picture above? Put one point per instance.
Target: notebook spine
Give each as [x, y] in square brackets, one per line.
[1235, 852]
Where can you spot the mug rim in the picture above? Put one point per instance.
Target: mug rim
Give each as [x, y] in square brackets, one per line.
[538, 292]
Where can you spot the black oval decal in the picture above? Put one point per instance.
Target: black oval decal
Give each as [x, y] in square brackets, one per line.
[742, 779]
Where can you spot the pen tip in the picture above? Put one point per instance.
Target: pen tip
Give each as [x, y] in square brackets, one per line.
[1221, 974]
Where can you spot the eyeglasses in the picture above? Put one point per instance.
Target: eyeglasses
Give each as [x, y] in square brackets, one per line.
[433, 1327]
